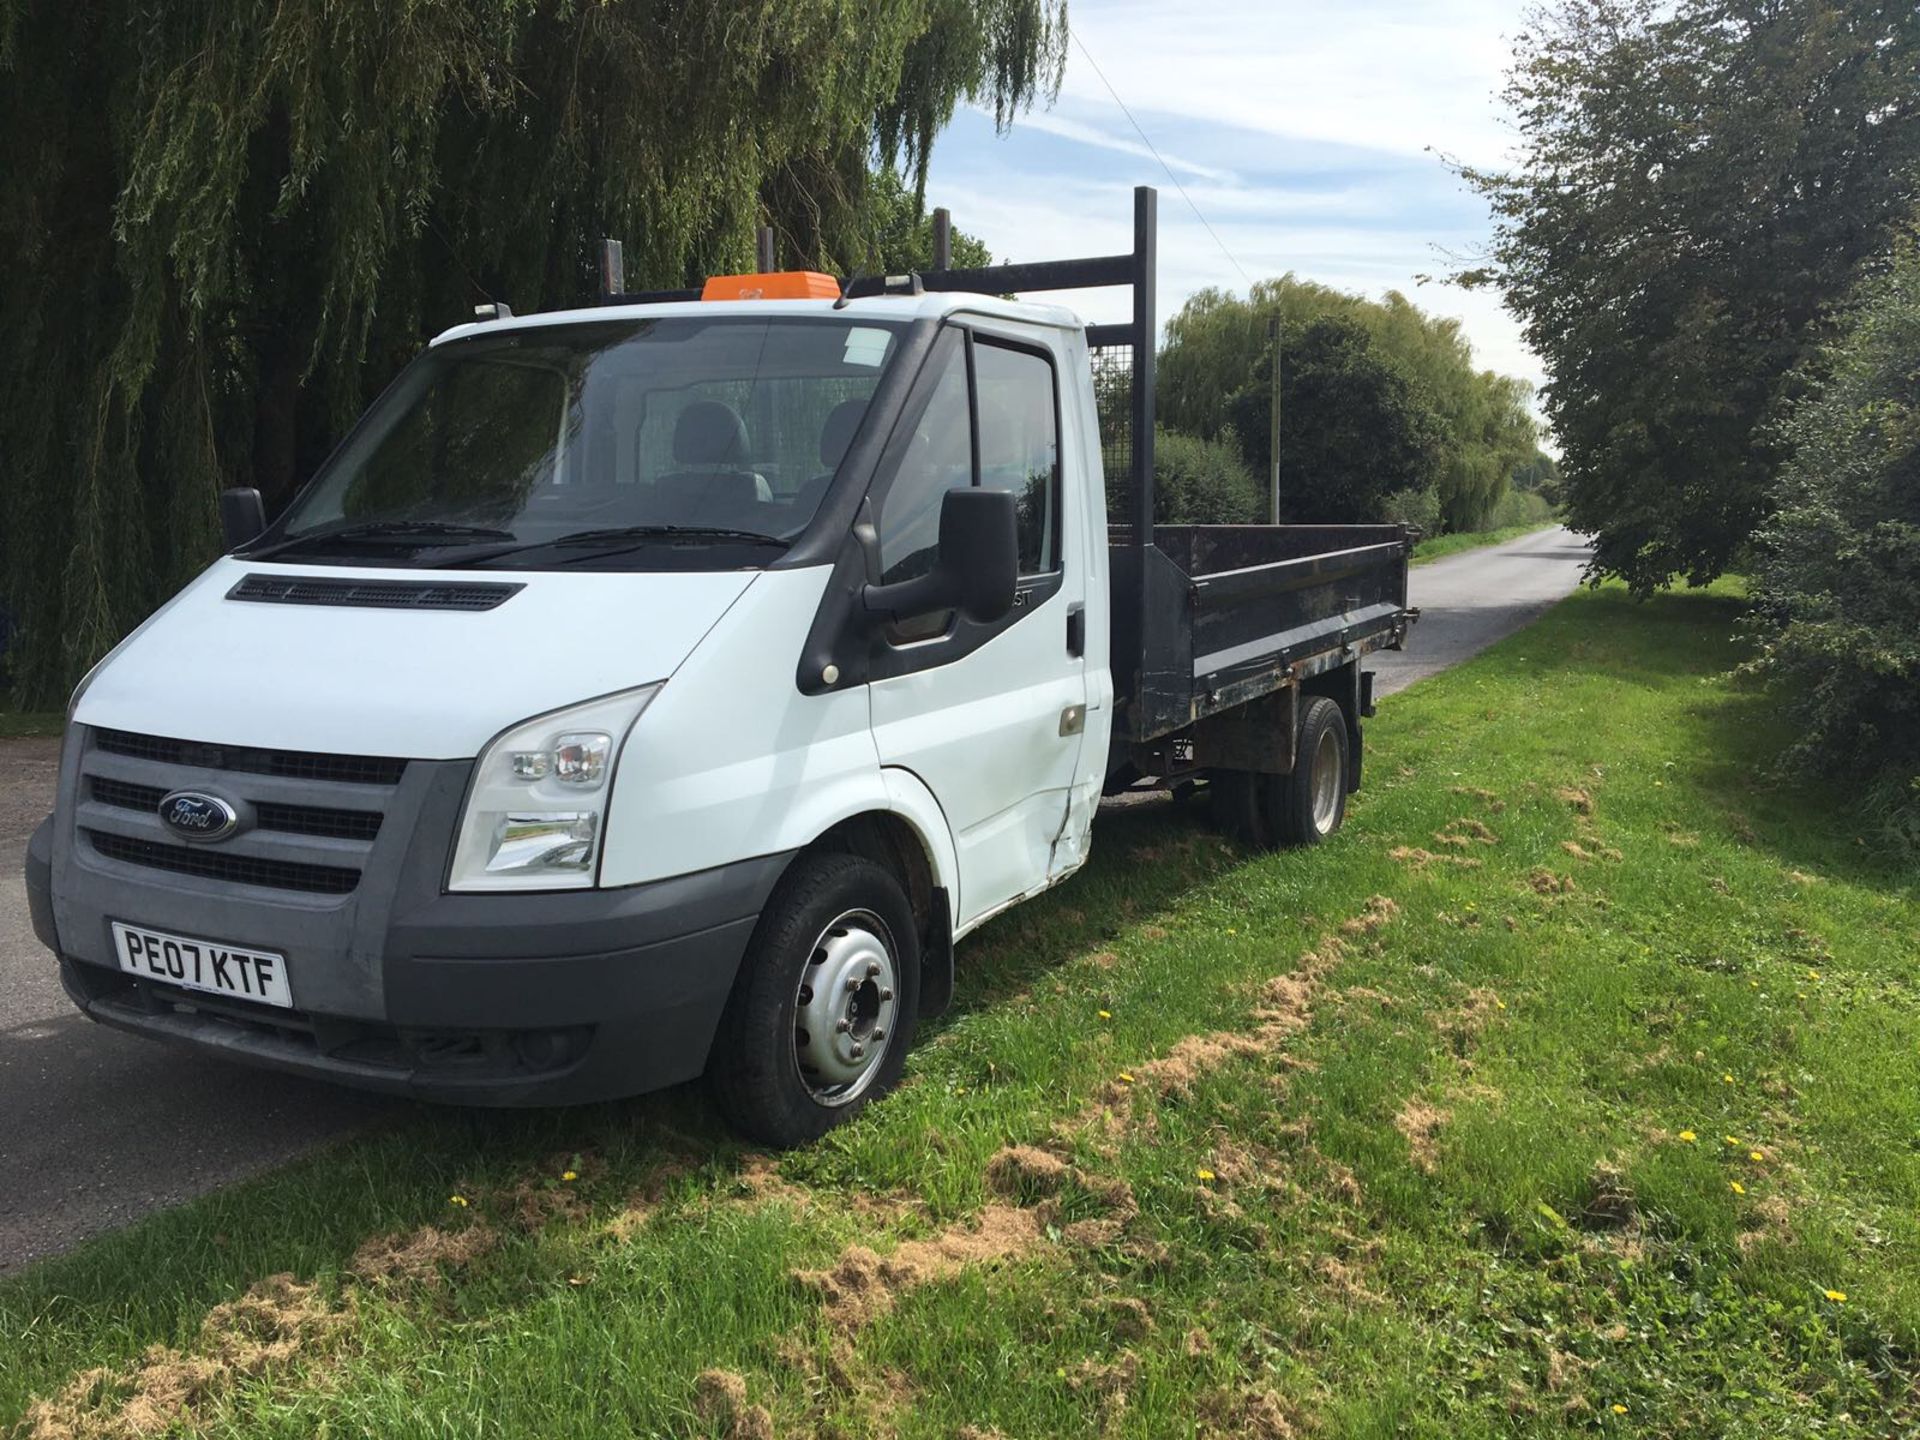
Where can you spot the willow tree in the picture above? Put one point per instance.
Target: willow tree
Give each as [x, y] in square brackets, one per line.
[229, 221]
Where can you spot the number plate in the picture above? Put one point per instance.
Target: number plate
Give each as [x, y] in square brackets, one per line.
[209, 965]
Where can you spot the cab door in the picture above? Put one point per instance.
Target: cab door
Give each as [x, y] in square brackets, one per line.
[991, 717]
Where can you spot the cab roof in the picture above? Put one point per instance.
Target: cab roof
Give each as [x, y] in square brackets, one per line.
[896, 308]
[872, 308]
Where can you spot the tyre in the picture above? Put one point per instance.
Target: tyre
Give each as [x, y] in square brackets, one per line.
[1238, 807]
[823, 1010]
[1305, 807]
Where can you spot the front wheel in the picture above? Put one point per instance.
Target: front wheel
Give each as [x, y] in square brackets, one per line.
[825, 1004]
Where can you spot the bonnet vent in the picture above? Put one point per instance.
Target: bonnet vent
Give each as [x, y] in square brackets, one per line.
[371, 594]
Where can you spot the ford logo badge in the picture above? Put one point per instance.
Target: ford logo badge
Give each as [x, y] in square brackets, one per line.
[194, 815]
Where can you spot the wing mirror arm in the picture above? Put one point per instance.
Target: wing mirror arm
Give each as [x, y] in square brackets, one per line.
[976, 567]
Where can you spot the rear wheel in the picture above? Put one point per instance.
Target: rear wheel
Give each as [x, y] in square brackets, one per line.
[1305, 807]
[824, 1008]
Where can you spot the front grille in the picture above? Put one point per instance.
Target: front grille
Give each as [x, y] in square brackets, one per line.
[290, 764]
[317, 820]
[288, 819]
[372, 594]
[225, 865]
[123, 795]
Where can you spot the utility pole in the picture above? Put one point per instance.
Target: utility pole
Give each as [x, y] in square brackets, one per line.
[766, 250]
[1273, 429]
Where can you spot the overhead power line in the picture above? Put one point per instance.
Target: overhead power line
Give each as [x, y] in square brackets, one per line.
[1153, 150]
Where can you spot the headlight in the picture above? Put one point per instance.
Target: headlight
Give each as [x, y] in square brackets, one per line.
[537, 810]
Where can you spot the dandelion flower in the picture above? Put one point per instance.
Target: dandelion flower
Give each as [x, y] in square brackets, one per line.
[1756, 1155]
[1733, 1140]
[1688, 1136]
[1839, 1297]
[1498, 1003]
[1204, 1173]
[1726, 1079]
[1125, 1078]
[1232, 931]
[1813, 974]
[1104, 1014]
[1621, 1409]
[1736, 1187]
[459, 1200]
[569, 1175]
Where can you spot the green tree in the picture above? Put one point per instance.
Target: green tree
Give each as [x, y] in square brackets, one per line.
[1837, 587]
[1481, 425]
[901, 230]
[1539, 474]
[1700, 182]
[231, 220]
[1195, 482]
[1352, 428]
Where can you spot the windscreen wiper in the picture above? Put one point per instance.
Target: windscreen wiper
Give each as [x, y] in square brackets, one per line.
[617, 538]
[670, 532]
[445, 530]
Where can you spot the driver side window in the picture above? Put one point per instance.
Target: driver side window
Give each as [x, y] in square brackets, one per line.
[993, 420]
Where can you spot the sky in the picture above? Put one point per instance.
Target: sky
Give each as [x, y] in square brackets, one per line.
[1308, 134]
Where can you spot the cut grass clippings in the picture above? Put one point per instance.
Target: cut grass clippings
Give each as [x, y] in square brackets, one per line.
[1439, 547]
[1576, 1084]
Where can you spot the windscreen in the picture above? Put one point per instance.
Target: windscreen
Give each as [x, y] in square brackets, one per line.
[561, 444]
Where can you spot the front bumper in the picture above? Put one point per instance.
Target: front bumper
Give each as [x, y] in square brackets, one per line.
[497, 1000]
[484, 999]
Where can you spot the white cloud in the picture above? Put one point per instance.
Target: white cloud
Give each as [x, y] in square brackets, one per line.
[1305, 133]
[1391, 75]
[1053, 122]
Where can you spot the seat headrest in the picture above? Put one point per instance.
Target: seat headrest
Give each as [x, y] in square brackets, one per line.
[837, 434]
[709, 433]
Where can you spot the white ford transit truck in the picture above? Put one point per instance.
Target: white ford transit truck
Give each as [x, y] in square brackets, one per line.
[661, 688]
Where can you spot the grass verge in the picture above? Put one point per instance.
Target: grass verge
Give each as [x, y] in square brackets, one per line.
[1438, 547]
[1575, 1084]
[18, 723]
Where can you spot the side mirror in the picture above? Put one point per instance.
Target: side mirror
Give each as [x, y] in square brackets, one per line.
[976, 568]
[242, 516]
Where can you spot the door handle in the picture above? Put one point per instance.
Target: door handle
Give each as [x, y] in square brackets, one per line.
[1073, 720]
[1076, 630]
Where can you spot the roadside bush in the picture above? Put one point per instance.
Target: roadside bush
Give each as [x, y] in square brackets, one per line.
[1413, 506]
[1837, 584]
[1520, 507]
[1203, 482]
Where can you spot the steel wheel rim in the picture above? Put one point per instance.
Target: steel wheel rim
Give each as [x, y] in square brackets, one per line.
[1325, 781]
[843, 1010]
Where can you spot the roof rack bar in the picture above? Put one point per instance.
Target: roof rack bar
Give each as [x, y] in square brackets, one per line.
[1089, 274]
[942, 239]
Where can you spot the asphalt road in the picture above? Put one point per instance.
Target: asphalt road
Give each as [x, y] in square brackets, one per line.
[98, 1128]
[1470, 600]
